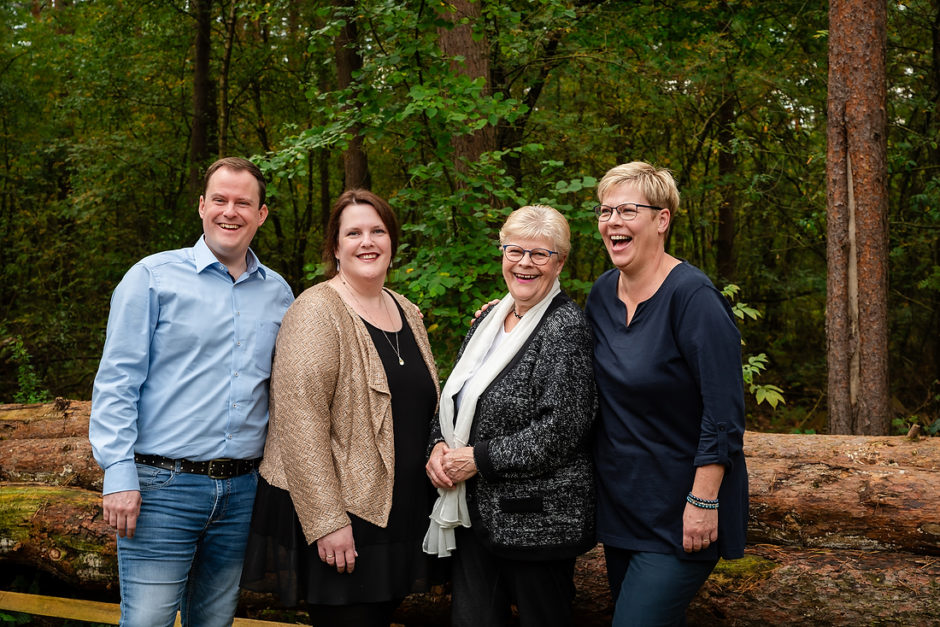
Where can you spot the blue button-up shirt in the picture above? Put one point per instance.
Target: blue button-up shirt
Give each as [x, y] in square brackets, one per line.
[186, 362]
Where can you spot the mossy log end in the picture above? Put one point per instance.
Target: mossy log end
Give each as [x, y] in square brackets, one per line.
[843, 529]
[60, 530]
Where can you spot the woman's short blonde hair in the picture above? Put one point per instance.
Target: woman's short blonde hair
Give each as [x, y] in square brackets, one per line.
[655, 183]
[536, 221]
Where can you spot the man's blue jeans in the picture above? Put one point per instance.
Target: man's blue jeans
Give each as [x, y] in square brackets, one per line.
[188, 549]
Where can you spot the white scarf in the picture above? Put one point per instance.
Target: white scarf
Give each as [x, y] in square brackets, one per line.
[450, 509]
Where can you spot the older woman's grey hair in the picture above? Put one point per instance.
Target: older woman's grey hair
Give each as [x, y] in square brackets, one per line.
[538, 221]
[655, 183]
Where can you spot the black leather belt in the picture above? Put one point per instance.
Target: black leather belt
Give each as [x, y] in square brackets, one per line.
[215, 468]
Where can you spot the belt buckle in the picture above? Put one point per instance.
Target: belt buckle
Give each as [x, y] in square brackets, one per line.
[221, 474]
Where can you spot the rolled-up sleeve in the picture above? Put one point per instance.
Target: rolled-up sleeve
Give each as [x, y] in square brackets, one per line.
[711, 345]
[125, 362]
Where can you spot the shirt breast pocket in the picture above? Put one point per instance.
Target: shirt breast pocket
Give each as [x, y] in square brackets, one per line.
[265, 337]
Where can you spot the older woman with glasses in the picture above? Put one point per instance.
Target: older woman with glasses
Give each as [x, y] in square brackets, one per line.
[672, 483]
[510, 454]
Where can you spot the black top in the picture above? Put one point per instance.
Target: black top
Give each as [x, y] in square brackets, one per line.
[413, 402]
[390, 564]
[671, 399]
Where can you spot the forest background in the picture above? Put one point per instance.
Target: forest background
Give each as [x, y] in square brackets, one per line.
[457, 112]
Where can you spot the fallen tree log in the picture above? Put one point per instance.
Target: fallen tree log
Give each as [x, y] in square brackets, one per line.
[843, 528]
[817, 491]
[780, 585]
[850, 492]
[60, 530]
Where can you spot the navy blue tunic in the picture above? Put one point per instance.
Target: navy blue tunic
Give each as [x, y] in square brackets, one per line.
[671, 399]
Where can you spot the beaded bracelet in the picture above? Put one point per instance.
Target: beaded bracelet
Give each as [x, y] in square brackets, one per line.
[702, 503]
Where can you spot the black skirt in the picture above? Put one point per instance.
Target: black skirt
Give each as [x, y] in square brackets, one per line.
[390, 564]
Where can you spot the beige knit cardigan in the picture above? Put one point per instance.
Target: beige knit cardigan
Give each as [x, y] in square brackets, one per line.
[330, 439]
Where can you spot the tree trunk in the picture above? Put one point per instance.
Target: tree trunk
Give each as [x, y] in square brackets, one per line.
[225, 106]
[203, 105]
[458, 41]
[843, 529]
[726, 206]
[349, 61]
[857, 287]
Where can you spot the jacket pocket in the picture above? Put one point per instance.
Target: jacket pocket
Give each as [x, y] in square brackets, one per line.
[521, 505]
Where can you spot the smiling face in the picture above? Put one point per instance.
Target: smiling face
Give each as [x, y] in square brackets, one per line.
[231, 215]
[633, 244]
[527, 282]
[364, 244]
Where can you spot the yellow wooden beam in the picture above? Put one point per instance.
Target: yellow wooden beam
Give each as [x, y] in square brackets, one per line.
[88, 611]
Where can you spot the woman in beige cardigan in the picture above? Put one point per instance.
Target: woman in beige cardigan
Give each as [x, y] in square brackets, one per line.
[343, 501]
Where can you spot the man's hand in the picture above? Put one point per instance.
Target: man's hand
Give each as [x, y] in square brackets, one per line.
[121, 510]
[484, 307]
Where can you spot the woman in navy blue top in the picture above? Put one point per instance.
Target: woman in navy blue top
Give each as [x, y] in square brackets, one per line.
[672, 482]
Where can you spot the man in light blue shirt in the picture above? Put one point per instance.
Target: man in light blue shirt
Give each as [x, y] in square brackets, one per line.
[180, 408]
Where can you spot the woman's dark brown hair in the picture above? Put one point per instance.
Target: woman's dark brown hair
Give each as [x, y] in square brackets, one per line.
[356, 197]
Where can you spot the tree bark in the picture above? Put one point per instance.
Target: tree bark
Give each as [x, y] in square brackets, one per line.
[349, 61]
[726, 208]
[776, 585]
[203, 105]
[458, 41]
[857, 284]
[843, 529]
[225, 106]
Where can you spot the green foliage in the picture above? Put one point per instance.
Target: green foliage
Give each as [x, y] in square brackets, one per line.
[30, 387]
[924, 416]
[754, 365]
[95, 125]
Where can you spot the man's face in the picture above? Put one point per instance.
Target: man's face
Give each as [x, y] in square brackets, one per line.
[231, 215]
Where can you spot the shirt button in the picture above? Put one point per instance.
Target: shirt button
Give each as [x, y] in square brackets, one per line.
[234, 404]
[229, 436]
[238, 343]
[236, 374]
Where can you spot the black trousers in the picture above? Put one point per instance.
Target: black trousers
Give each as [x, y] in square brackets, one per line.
[353, 615]
[485, 586]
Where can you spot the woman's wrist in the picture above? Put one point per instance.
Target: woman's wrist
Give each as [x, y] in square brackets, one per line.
[701, 503]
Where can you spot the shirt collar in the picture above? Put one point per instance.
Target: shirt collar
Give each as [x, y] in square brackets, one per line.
[204, 258]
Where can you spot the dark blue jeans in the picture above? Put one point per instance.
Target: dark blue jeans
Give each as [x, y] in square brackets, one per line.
[188, 549]
[653, 589]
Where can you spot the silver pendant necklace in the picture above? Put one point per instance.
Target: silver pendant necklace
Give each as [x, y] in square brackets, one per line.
[395, 347]
[401, 362]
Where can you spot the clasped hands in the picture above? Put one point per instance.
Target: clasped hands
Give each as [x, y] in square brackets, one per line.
[449, 466]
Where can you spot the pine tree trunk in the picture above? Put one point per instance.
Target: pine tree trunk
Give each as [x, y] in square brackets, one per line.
[857, 284]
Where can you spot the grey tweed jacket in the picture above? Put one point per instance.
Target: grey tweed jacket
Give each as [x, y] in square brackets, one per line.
[533, 496]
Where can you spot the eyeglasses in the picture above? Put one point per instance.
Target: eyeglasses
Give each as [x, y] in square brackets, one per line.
[539, 256]
[627, 211]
